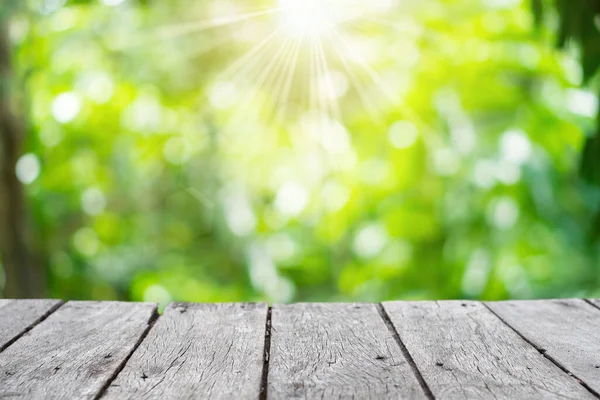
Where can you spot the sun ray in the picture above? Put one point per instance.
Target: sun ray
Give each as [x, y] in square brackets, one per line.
[283, 97]
[324, 110]
[174, 31]
[182, 29]
[315, 93]
[260, 79]
[283, 75]
[330, 95]
[271, 75]
[380, 84]
[361, 90]
[250, 58]
[365, 66]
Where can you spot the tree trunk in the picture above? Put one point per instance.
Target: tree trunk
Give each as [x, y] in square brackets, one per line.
[24, 278]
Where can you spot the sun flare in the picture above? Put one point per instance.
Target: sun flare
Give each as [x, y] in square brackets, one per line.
[302, 56]
[314, 18]
[308, 18]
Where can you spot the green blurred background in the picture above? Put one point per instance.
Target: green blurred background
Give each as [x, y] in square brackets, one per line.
[204, 151]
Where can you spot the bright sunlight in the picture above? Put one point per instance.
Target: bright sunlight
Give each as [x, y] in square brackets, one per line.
[315, 18]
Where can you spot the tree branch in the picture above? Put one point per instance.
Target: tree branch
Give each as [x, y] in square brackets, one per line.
[23, 275]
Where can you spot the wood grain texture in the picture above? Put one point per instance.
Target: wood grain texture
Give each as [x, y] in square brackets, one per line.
[568, 331]
[463, 351]
[74, 352]
[198, 351]
[336, 351]
[17, 316]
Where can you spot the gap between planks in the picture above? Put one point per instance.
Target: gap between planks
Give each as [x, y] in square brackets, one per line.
[266, 354]
[543, 351]
[111, 379]
[33, 325]
[591, 303]
[388, 322]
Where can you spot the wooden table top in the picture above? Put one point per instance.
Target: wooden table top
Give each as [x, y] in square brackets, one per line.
[540, 349]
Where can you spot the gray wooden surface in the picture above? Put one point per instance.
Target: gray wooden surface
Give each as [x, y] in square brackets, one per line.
[463, 351]
[198, 351]
[19, 316]
[336, 351]
[74, 352]
[543, 349]
[567, 331]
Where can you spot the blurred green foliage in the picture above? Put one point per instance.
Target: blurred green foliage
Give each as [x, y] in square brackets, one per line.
[578, 30]
[449, 170]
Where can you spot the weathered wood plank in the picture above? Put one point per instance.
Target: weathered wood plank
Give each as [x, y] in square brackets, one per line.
[202, 351]
[17, 316]
[567, 331]
[336, 351]
[74, 352]
[464, 351]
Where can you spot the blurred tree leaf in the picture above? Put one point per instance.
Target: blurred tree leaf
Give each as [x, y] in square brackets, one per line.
[579, 23]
